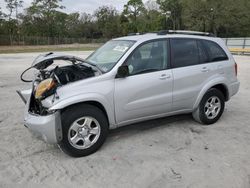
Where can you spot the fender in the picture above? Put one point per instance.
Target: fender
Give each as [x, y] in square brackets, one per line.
[108, 106]
[210, 84]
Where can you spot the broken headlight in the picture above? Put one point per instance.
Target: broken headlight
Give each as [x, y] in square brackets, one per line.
[45, 88]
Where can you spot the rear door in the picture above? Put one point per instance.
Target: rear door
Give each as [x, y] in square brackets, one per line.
[191, 68]
[217, 58]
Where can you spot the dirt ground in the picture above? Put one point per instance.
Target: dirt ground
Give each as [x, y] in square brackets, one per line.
[169, 152]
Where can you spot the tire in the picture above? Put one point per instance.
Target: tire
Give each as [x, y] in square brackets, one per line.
[206, 105]
[85, 128]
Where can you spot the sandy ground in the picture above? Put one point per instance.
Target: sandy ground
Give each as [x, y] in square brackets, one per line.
[169, 152]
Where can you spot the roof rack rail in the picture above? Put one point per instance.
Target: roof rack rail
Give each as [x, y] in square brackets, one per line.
[143, 33]
[132, 34]
[165, 32]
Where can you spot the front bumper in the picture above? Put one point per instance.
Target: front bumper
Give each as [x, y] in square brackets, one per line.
[47, 128]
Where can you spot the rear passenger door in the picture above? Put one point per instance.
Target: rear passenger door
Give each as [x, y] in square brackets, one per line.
[191, 68]
[217, 57]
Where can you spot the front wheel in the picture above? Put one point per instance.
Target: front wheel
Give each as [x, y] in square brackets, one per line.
[210, 108]
[85, 128]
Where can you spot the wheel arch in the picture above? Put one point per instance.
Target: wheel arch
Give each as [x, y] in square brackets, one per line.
[75, 112]
[99, 102]
[93, 103]
[221, 86]
[224, 90]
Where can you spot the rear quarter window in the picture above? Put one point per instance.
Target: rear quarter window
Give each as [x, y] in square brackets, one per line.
[215, 52]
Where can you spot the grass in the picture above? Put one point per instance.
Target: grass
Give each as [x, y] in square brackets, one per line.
[48, 48]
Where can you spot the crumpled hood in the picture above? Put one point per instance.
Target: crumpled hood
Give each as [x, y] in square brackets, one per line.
[45, 60]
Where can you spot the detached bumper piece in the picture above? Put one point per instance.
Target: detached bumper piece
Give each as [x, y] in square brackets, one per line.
[234, 88]
[47, 128]
[24, 95]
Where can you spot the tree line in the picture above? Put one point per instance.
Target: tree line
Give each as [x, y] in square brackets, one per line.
[46, 18]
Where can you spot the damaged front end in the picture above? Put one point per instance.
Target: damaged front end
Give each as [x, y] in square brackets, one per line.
[52, 71]
[47, 80]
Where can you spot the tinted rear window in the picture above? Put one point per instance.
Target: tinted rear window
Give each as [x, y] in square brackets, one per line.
[184, 52]
[215, 52]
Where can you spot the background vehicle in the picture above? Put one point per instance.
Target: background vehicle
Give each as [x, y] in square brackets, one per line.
[128, 80]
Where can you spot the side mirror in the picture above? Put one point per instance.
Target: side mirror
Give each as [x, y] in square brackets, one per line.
[122, 71]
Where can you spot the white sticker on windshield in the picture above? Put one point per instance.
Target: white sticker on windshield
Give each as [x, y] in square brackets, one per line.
[120, 48]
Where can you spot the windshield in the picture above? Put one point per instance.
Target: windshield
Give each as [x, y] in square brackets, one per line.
[109, 54]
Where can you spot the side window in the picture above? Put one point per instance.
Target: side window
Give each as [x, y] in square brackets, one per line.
[204, 58]
[216, 53]
[149, 57]
[184, 52]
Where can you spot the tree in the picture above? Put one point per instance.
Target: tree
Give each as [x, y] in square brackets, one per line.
[152, 5]
[45, 18]
[196, 15]
[72, 24]
[107, 21]
[87, 25]
[17, 4]
[2, 23]
[46, 10]
[10, 7]
[174, 8]
[152, 18]
[222, 17]
[2, 15]
[132, 11]
[12, 24]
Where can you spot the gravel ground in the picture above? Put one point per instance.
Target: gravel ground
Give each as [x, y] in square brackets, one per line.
[168, 152]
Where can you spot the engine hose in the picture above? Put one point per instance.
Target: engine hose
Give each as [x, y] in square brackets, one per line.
[24, 73]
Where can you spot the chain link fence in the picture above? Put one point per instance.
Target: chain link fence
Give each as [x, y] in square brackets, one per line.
[240, 46]
[236, 45]
[242, 43]
[34, 40]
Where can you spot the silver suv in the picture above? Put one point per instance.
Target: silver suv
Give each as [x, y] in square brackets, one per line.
[128, 80]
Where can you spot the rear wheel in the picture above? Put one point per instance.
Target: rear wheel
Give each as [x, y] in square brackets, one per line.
[85, 128]
[210, 108]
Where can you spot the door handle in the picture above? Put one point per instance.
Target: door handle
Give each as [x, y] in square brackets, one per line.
[204, 69]
[165, 76]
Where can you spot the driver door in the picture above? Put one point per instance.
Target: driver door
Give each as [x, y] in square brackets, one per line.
[147, 91]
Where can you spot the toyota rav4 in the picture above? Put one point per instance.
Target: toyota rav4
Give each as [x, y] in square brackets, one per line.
[128, 80]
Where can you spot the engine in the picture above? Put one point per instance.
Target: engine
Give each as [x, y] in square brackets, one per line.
[47, 82]
[64, 75]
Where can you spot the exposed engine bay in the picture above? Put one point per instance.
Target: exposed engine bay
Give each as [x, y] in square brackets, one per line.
[66, 74]
[47, 80]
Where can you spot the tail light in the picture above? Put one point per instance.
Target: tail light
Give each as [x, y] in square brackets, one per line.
[236, 68]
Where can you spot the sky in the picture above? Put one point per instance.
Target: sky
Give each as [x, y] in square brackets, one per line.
[87, 6]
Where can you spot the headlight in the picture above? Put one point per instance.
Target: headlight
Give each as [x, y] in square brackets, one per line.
[44, 88]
